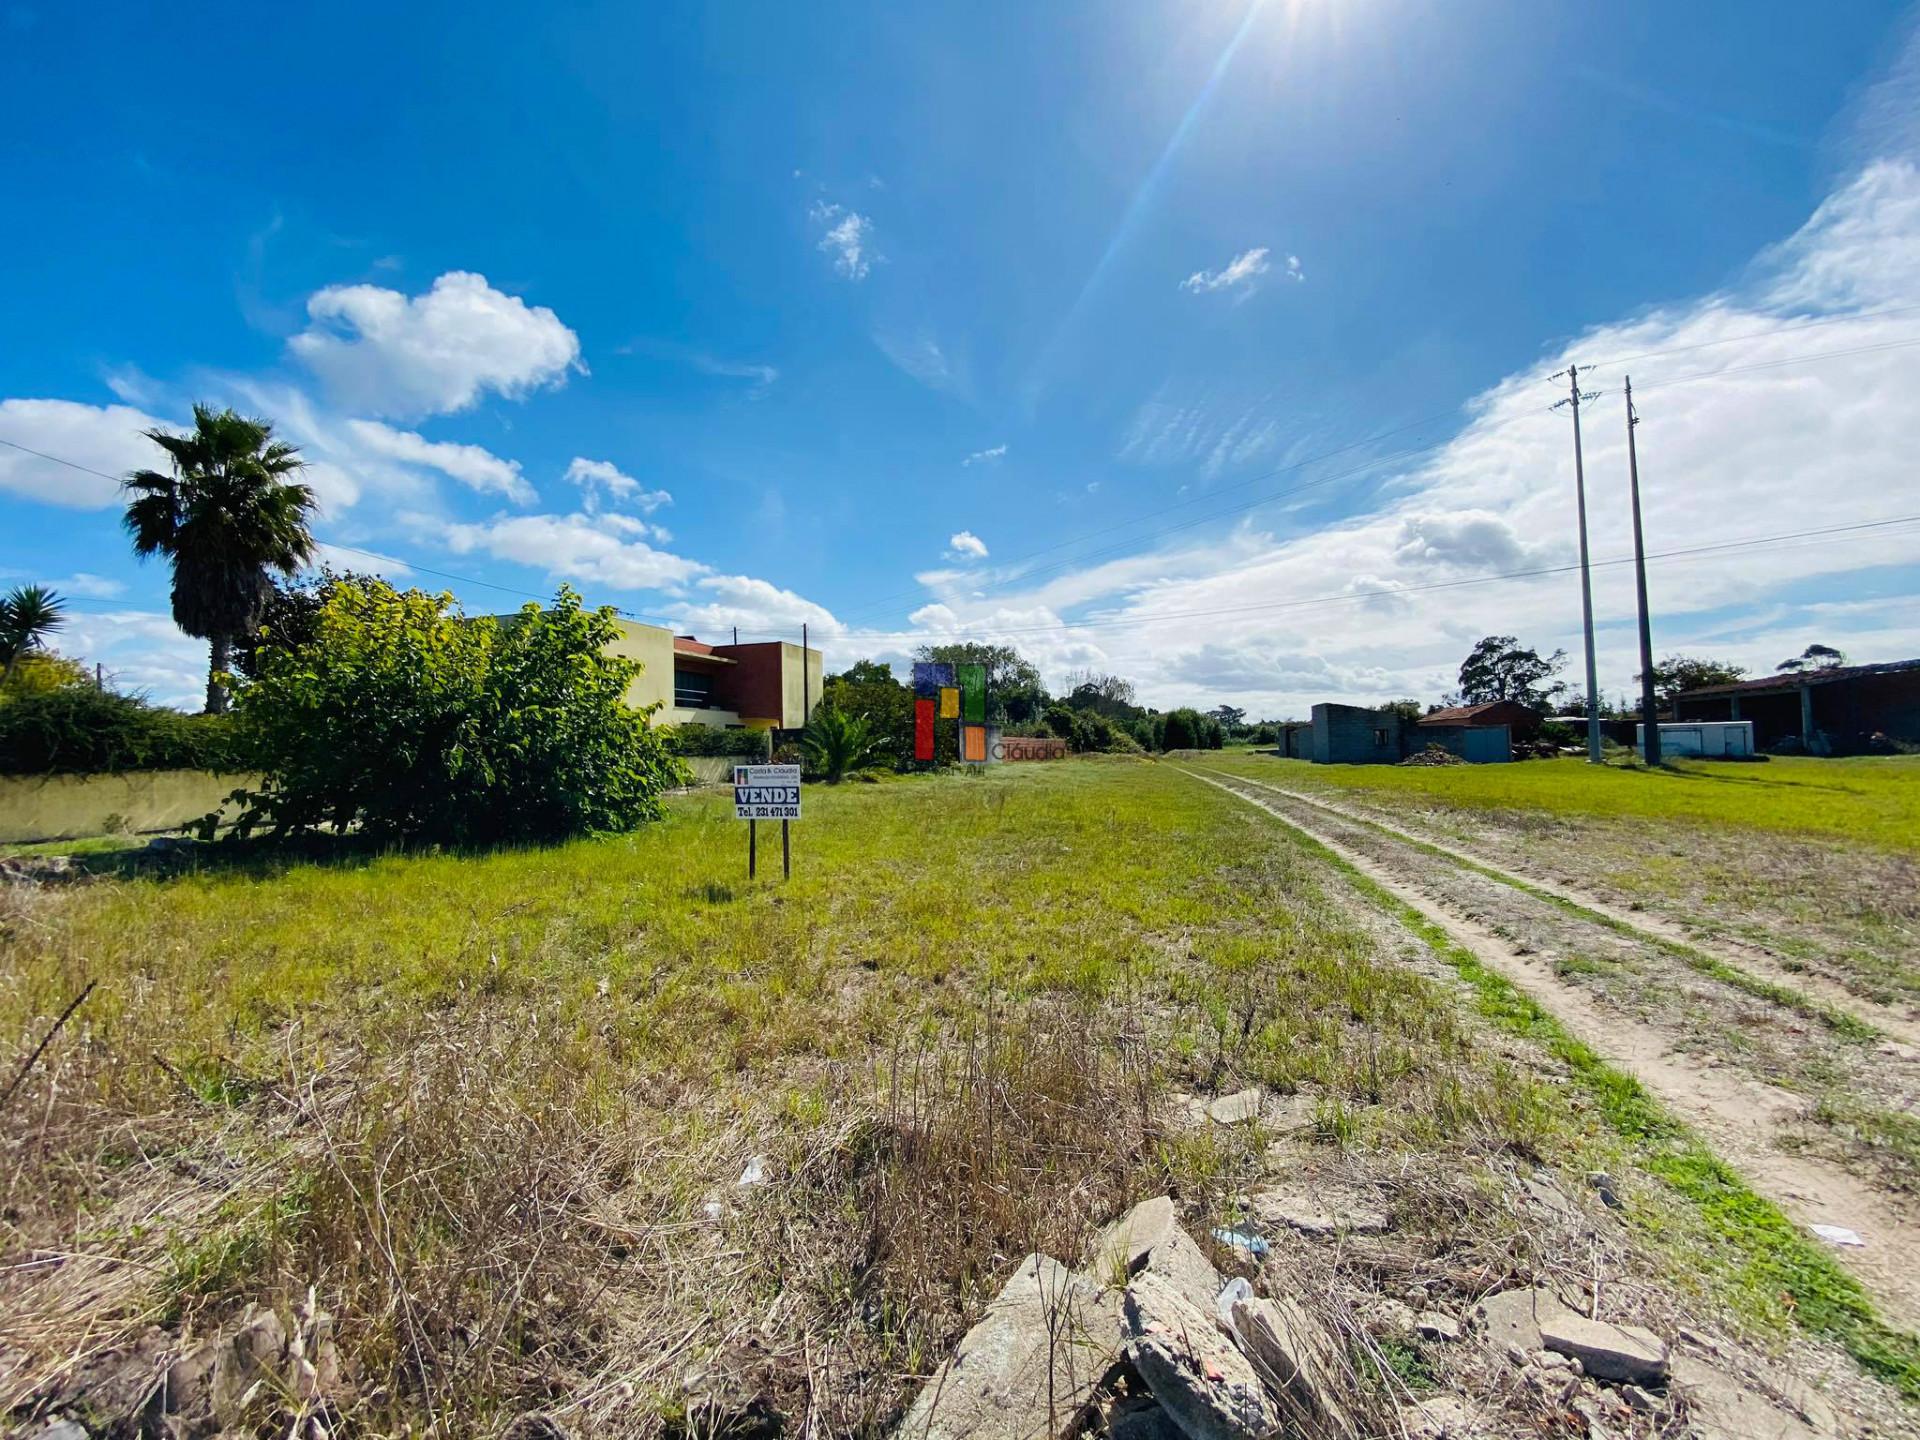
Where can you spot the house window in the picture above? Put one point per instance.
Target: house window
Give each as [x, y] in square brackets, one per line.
[1380, 738]
[692, 689]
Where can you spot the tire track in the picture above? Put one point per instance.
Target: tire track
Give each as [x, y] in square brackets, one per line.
[1739, 1115]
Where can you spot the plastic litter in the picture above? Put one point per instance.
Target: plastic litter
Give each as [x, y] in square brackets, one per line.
[1838, 1235]
[1235, 1289]
[755, 1173]
[1241, 1240]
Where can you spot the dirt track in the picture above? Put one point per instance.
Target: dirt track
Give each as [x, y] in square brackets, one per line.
[1705, 1048]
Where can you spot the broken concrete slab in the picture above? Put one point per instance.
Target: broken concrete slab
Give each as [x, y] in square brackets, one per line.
[1317, 1213]
[1121, 1250]
[1148, 1239]
[1439, 1417]
[1206, 1385]
[1722, 1407]
[1300, 1359]
[1143, 1422]
[1240, 1108]
[1031, 1365]
[1630, 1353]
[1513, 1317]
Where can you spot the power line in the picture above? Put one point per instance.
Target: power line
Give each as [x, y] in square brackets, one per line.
[1410, 453]
[1754, 335]
[408, 565]
[1821, 535]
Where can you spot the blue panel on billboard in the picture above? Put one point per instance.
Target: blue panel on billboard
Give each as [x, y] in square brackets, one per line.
[930, 677]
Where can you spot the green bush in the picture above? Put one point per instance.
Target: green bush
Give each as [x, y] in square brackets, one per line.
[78, 730]
[754, 745]
[403, 719]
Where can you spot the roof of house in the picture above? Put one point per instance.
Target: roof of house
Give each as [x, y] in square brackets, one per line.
[1475, 714]
[1793, 681]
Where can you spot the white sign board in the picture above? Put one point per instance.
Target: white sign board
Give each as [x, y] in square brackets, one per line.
[766, 792]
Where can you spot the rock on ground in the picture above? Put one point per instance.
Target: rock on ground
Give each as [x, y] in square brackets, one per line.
[1722, 1407]
[1514, 1317]
[1148, 1240]
[1206, 1385]
[1301, 1361]
[1629, 1353]
[1028, 1369]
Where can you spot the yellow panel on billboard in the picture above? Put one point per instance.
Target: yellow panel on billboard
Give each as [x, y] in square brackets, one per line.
[949, 703]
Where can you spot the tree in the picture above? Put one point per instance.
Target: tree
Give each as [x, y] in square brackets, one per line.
[1498, 668]
[865, 672]
[291, 615]
[1814, 657]
[225, 515]
[1108, 695]
[1015, 693]
[1230, 717]
[28, 615]
[835, 743]
[404, 719]
[1186, 729]
[1674, 675]
[1407, 710]
[868, 688]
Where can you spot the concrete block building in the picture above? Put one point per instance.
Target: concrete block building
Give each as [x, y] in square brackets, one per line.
[1355, 735]
[765, 685]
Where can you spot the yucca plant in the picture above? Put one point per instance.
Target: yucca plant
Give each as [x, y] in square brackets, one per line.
[835, 743]
[28, 614]
[226, 514]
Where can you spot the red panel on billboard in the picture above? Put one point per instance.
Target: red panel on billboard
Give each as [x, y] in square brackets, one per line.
[923, 729]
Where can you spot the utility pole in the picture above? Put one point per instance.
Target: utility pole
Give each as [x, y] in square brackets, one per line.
[1649, 710]
[1574, 397]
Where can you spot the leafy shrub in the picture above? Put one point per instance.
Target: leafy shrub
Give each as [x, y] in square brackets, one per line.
[835, 743]
[78, 730]
[403, 719]
[754, 745]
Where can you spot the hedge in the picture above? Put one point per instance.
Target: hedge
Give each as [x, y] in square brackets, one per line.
[78, 730]
[709, 740]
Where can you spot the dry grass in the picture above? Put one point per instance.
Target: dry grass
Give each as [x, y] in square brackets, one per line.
[494, 1108]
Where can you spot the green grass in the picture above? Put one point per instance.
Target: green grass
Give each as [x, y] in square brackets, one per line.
[606, 1026]
[1872, 801]
[1766, 1254]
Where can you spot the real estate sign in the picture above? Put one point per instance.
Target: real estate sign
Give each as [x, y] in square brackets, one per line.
[766, 792]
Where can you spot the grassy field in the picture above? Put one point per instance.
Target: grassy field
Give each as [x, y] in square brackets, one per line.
[1873, 802]
[1817, 861]
[494, 1108]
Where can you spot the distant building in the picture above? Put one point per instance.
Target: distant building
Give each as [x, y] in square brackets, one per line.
[1825, 710]
[1522, 721]
[1355, 735]
[769, 685]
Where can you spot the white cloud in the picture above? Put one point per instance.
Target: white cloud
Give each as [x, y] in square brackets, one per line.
[381, 351]
[472, 466]
[967, 545]
[1241, 271]
[602, 476]
[142, 651]
[847, 236]
[104, 438]
[593, 549]
[1294, 272]
[757, 606]
[985, 457]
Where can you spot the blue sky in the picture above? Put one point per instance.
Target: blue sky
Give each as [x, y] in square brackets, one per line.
[992, 320]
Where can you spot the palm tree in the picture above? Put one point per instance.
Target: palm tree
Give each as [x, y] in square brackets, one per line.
[28, 614]
[225, 516]
[835, 743]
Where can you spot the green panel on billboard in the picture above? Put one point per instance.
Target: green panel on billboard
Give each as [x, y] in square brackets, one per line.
[973, 693]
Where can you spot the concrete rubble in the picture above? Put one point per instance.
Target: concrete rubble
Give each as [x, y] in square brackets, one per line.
[1151, 1335]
